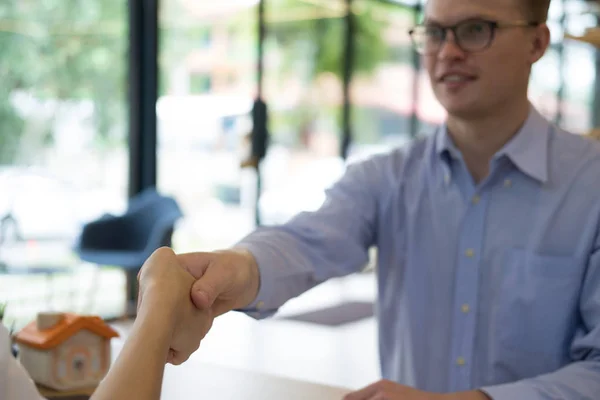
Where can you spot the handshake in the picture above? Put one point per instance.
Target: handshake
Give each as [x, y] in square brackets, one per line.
[188, 291]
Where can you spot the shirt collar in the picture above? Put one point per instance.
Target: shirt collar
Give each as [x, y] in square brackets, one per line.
[444, 146]
[528, 149]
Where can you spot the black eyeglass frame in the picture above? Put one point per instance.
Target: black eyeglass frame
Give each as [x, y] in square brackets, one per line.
[493, 25]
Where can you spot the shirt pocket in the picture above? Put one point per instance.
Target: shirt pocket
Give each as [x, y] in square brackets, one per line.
[536, 312]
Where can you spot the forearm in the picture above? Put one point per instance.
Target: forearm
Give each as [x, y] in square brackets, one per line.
[314, 246]
[294, 258]
[138, 370]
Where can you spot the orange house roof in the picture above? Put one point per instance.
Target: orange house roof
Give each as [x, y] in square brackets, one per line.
[67, 327]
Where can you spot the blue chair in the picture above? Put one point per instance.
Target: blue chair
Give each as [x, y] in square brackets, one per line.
[127, 240]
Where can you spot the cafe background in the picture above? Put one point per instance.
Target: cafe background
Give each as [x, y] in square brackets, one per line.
[102, 99]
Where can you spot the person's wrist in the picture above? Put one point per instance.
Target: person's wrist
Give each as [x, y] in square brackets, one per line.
[156, 325]
[156, 319]
[250, 274]
[158, 304]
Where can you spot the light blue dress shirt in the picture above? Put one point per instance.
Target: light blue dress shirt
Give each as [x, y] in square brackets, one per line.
[492, 286]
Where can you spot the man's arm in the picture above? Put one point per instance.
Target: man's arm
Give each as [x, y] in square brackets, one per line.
[580, 380]
[315, 246]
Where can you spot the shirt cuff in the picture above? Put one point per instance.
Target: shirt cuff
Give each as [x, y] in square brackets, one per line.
[511, 391]
[263, 305]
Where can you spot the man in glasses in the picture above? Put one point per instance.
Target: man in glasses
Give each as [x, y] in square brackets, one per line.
[488, 230]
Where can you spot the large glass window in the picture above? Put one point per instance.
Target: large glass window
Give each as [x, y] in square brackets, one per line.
[579, 71]
[393, 93]
[383, 90]
[63, 120]
[563, 81]
[303, 88]
[63, 152]
[208, 83]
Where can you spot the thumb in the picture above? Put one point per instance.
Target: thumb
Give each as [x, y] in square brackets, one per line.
[195, 263]
[209, 287]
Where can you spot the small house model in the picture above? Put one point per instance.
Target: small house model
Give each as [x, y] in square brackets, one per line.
[66, 351]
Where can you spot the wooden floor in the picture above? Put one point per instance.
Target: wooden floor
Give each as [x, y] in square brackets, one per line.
[344, 356]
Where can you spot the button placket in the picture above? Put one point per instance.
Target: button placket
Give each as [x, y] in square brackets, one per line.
[466, 292]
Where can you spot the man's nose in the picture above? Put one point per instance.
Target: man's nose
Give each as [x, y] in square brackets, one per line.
[449, 49]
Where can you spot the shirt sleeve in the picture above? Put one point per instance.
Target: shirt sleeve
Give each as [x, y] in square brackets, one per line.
[15, 384]
[315, 246]
[581, 379]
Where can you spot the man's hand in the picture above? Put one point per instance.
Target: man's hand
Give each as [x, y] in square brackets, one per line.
[388, 390]
[226, 280]
[165, 290]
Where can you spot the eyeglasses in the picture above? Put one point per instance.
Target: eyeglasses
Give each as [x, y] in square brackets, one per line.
[471, 35]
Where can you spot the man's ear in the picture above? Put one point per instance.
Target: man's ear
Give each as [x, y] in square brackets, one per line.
[540, 42]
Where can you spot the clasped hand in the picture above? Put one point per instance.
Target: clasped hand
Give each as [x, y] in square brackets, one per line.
[190, 290]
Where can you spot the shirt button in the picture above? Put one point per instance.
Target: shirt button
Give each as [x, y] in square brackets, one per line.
[476, 199]
[260, 305]
[460, 361]
[465, 308]
[470, 253]
[507, 183]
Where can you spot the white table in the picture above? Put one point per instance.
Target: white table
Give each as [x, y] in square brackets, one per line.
[275, 359]
[206, 381]
[197, 379]
[345, 356]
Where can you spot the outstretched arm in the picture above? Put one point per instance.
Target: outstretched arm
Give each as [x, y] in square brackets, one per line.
[138, 371]
[158, 334]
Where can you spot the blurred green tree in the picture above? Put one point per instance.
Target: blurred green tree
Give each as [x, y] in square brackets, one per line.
[310, 34]
[317, 28]
[60, 54]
